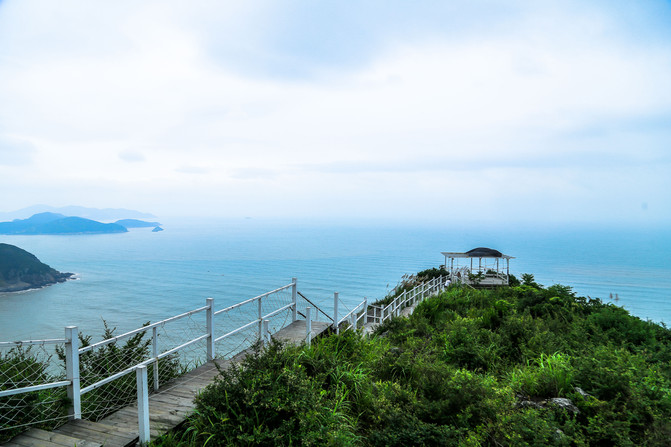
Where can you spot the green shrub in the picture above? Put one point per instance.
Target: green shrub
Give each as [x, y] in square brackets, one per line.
[96, 364]
[269, 399]
[455, 374]
[21, 367]
[549, 376]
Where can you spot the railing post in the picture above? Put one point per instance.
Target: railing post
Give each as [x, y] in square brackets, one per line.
[72, 372]
[142, 404]
[294, 296]
[266, 331]
[354, 321]
[365, 311]
[210, 329]
[260, 318]
[154, 352]
[308, 325]
[335, 312]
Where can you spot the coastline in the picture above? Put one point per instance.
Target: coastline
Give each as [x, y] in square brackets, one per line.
[26, 287]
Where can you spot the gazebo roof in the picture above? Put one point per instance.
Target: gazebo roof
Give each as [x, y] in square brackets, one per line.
[480, 252]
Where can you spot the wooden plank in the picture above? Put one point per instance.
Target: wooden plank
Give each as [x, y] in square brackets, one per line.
[175, 392]
[182, 390]
[25, 441]
[59, 439]
[198, 380]
[171, 420]
[105, 439]
[173, 400]
[125, 426]
[109, 436]
[182, 395]
[96, 427]
[174, 410]
[125, 414]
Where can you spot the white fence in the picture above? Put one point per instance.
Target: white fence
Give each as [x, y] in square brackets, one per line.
[98, 378]
[379, 314]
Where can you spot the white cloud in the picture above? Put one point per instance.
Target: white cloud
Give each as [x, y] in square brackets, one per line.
[15, 151]
[131, 156]
[539, 99]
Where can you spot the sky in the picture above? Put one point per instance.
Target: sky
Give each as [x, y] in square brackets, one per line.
[474, 111]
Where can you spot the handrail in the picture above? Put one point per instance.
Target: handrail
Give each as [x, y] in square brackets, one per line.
[49, 341]
[252, 299]
[355, 309]
[28, 389]
[316, 307]
[386, 312]
[275, 312]
[235, 331]
[142, 329]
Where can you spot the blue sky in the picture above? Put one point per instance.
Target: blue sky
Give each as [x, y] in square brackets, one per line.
[532, 112]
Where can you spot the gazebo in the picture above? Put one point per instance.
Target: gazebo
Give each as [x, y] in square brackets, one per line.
[481, 266]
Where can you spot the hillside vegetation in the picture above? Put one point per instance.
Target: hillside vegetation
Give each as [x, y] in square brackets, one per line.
[20, 270]
[515, 366]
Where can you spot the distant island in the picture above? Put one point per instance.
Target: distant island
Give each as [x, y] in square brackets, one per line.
[20, 270]
[135, 223]
[101, 215]
[54, 223]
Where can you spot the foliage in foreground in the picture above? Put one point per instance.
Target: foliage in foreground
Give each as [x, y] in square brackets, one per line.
[468, 368]
[47, 409]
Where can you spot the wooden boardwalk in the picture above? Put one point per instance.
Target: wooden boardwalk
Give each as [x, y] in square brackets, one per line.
[168, 407]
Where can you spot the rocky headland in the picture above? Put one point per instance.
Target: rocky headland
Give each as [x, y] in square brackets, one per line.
[20, 270]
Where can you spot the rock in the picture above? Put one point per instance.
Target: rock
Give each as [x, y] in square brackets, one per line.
[558, 434]
[530, 404]
[560, 403]
[563, 403]
[584, 395]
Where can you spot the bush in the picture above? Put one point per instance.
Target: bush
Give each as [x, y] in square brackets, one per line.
[269, 399]
[459, 372]
[21, 367]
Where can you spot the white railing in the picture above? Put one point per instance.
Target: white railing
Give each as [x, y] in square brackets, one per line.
[97, 375]
[380, 313]
[25, 373]
[252, 320]
[354, 319]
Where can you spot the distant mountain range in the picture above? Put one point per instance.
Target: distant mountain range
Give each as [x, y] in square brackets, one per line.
[104, 215]
[20, 270]
[55, 223]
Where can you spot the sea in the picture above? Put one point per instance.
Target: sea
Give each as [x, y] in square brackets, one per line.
[132, 278]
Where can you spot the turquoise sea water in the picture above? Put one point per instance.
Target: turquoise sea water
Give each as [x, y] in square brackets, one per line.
[140, 276]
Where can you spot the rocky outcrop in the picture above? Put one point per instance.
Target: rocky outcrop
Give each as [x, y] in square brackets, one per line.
[560, 403]
[20, 270]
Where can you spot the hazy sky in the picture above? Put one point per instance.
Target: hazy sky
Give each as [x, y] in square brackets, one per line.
[428, 110]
